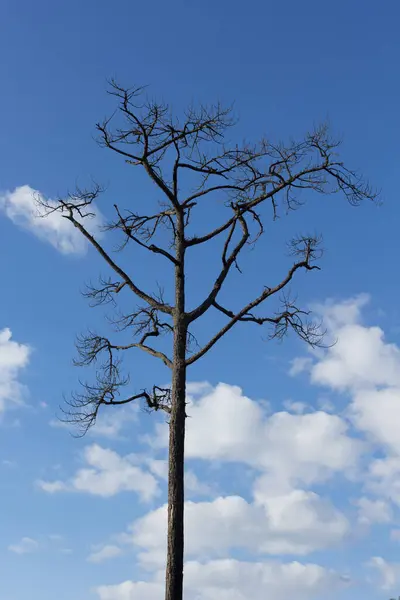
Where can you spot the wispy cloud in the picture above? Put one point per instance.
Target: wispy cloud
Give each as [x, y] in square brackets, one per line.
[27, 545]
[100, 554]
[23, 207]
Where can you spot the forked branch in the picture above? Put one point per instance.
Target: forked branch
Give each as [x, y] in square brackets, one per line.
[289, 317]
[133, 224]
[228, 259]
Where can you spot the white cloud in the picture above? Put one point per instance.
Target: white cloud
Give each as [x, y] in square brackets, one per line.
[288, 452]
[373, 511]
[198, 388]
[235, 580]
[384, 477]
[111, 424]
[25, 546]
[13, 358]
[339, 314]
[21, 206]
[52, 487]
[101, 553]
[360, 358]
[107, 474]
[377, 412]
[299, 365]
[195, 487]
[389, 573]
[132, 590]
[225, 425]
[366, 366]
[297, 522]
[49, 543]
[159, 467]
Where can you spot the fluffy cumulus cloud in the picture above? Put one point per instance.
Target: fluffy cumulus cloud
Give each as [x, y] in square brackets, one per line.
[291, 458]
[23, 207]
[360, 358]
[106, 474]
[229, 579]
[296, 523]
[13, 358]
[286, 454]
[225, 425]
[366, 367]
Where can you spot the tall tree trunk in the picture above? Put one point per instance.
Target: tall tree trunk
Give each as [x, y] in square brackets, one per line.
[175, 548]
[176, 496]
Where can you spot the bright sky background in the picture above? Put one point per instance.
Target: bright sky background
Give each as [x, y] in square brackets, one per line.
[293, 471]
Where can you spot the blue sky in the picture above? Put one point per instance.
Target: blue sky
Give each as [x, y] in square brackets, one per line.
[322, 458]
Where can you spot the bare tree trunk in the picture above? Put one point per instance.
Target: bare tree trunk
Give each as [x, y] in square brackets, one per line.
[175, 538]
[174, 574]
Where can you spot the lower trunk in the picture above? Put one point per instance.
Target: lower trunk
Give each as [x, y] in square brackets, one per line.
[175, 539]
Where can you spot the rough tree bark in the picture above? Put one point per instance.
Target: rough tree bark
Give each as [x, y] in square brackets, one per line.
[249, 178]
[175, 534]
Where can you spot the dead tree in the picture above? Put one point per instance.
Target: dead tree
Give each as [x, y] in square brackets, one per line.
[191, 165]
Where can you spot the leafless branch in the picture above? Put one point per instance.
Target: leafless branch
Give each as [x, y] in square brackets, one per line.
[104, 292]
[83, 408]
[228, 259]
[78, 205]
[290, 317]
[91, 346]
[133, 223]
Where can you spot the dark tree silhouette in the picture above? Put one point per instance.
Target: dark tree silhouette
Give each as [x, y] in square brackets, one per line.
[190, 163]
